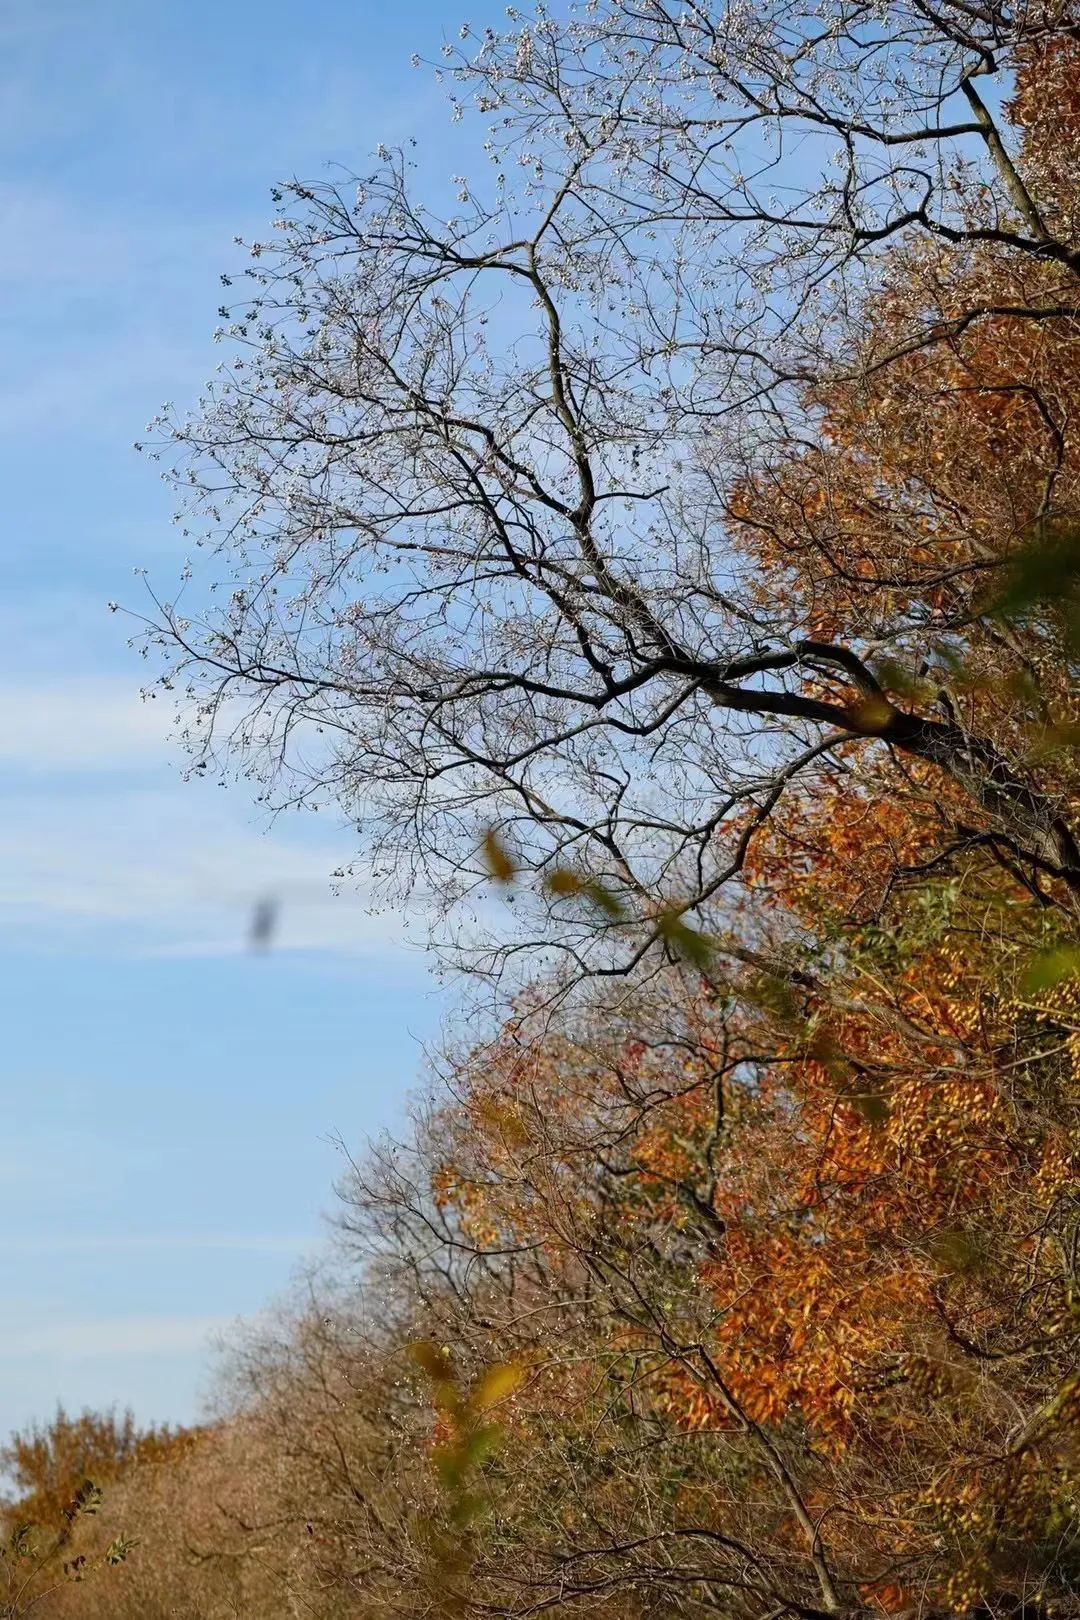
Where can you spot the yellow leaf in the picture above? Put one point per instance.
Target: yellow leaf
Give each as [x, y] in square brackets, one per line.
[499, 1117]
[495, 1385]
[870, 714]
[432, 1358]
[500, 864]
[563, 882]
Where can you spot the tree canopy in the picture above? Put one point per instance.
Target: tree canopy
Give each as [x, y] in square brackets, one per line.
[681, 537]
[603, 509]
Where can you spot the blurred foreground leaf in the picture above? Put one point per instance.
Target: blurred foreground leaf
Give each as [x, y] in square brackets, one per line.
[1050, 968]
[687, 942]
[500, 863]
[1045, 573]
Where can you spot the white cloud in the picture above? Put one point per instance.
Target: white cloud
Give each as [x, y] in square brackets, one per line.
[88, 723]
[121, 1336]
[129, 1243]
[101, 842]
[173, 870]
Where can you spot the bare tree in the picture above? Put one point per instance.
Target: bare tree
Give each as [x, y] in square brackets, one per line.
[469, 481]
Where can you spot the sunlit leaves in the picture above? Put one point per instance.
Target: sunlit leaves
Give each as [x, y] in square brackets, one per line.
[118, 1549]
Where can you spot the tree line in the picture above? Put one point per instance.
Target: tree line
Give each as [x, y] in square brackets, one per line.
[677, 538]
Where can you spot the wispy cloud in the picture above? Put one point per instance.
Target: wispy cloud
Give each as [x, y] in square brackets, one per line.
[34, 217]
[135, 1243]
[172, 871]
[101, 840]
[121, 1336]
[95, 723]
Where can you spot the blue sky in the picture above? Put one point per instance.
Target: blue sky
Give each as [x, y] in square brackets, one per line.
[167, 1096]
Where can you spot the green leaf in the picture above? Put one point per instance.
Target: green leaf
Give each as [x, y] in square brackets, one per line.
[1049, 968]
[481, 1443]
[467, 1508]
[22, 1540]
[449, 1464]
[871, 1106]
[773, 995]
[685, 941]
[895, 678]
[1046, 571]
[604, 900]
[87, 1500]
[824, 1048]
[1049, 563]
[1053, 739]
[957, 1251]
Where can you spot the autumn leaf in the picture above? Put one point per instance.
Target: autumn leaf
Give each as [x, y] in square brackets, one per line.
[434, 1359]
[499, 863]
[564, 883]
[495, 1385]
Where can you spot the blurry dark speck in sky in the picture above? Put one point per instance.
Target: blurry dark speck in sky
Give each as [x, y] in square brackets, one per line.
[264, 920]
